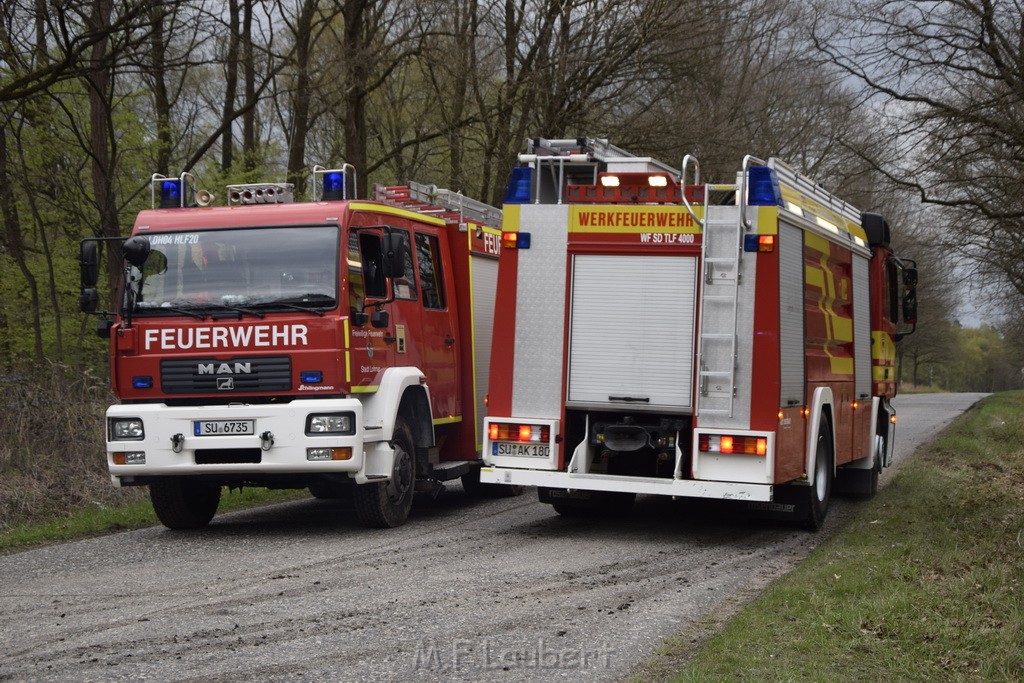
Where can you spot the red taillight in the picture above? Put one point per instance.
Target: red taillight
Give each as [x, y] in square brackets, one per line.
[522, 433]
[733, 445]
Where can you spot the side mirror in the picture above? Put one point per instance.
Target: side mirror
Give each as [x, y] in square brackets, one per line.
[910, 307]
[89, 263]
[379, 319]
[135, 251]
[394, 247]
[103, 328]
[357, 318]
[88, 300]
[910, 277]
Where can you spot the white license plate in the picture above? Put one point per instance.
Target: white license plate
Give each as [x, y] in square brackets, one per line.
[223, 427]
[521, 450]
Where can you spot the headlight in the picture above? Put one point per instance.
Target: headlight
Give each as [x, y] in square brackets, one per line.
[332, 423]
[126, 429]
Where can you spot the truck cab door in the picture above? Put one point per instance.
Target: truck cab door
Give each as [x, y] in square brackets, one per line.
[439, 352]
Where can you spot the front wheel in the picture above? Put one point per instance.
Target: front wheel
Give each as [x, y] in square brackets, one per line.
[184, 504]
[387, 504]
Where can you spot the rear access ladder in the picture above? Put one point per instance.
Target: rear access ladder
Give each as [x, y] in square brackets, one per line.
[721, 249]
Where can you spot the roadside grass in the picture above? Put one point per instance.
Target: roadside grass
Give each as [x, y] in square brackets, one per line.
[54, 484]
[926, 582]
[99, 519]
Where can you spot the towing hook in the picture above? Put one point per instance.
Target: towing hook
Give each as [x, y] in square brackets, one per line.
[266, 440]
[177, 442]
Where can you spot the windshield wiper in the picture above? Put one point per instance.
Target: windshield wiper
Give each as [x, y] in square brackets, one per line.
[173, 309]
[293, 307]
[237, 309]
[292, 303]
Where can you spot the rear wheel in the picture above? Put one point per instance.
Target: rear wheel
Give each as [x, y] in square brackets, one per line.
[184, 504]
[820, 493]
[387, 504]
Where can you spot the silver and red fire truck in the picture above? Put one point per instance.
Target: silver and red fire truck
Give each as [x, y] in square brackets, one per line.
[336, 344]
[724, 341]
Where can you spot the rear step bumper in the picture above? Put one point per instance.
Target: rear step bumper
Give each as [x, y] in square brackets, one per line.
[684, 488]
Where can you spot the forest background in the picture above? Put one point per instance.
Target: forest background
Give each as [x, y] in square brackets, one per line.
[911, 109]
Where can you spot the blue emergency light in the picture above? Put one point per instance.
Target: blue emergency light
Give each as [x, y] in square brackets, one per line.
[142, 382]
[519, 184]
[334, 186]
[170, 193]
[763, 187]
[312, 376]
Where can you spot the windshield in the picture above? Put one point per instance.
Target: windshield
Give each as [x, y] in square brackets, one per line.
[262, 268]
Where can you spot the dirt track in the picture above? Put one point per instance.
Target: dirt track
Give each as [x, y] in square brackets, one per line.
[500, 589]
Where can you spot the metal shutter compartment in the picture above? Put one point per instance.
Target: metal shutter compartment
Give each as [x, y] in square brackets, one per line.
[791, 315]
[861, 327]
[632, 331]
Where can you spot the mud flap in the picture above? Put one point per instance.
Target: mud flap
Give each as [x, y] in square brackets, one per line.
[788, 504]
[550, 496]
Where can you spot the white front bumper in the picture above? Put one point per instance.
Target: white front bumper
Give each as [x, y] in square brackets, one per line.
[163, 425]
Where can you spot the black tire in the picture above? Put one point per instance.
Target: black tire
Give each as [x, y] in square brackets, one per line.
[386, 505]
[474, 488]
[820, 493]
[182, 503]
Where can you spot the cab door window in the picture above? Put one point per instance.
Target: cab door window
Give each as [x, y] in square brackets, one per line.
[428, 257]
[370, 260]
[405, 286]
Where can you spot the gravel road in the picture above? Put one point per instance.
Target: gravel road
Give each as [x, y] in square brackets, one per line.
[500, 589]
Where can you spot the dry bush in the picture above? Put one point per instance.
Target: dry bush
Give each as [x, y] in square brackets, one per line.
[52, 453]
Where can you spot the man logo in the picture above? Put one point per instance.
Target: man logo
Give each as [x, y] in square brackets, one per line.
[225, 368]
[225, 383]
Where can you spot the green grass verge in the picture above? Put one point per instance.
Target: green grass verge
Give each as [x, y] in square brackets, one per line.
[99, 520]
[926, 583]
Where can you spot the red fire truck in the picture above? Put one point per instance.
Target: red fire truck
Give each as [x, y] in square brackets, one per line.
[730, 341]
[336, 344]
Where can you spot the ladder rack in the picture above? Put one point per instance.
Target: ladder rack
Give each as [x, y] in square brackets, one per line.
[430, 199]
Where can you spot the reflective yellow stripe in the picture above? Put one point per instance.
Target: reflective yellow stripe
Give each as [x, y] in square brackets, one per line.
[394, 210]
[348, 356]
[447, 420]
[366, 390]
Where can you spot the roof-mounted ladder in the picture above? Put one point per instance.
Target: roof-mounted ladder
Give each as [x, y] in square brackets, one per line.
[430, 199]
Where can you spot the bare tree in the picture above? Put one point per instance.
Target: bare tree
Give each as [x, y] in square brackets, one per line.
[947, 75]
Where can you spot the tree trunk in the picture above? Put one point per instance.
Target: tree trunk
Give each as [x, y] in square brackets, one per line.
[227, 145]
[14, 241]
[301, 98]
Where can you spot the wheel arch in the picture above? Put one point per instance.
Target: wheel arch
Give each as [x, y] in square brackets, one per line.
[821, 406]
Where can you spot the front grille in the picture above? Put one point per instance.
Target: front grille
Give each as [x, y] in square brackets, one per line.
[231, 376]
